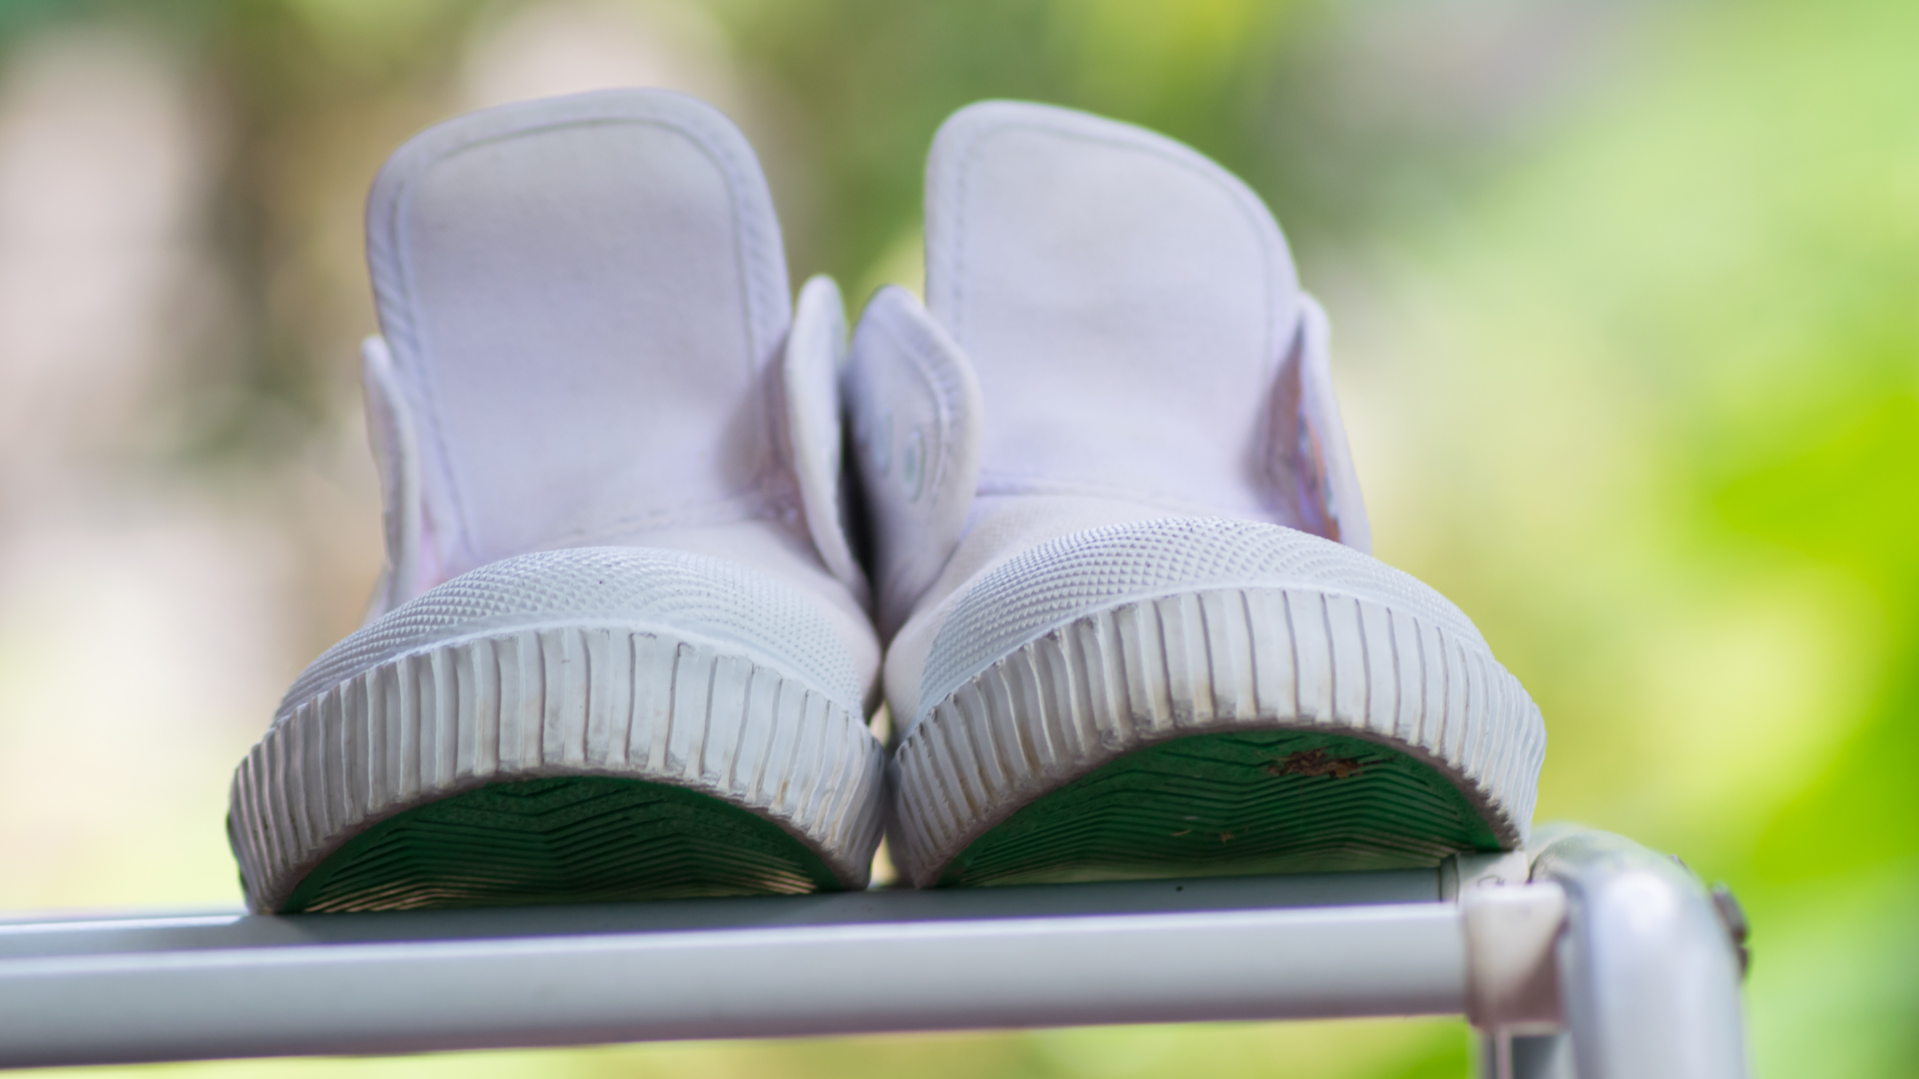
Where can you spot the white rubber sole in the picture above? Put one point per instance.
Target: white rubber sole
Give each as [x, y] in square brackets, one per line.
[1216, 660]
[554, 701]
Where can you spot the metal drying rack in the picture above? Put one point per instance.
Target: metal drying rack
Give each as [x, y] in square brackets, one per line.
[1586, 956]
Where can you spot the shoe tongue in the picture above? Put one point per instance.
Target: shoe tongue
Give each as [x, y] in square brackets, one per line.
[1126, 303]
[583, 293]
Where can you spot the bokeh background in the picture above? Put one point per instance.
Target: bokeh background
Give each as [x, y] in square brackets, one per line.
[1626, 305]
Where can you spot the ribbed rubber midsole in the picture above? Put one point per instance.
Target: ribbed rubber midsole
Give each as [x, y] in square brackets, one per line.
[554, 701]
[1215, 660]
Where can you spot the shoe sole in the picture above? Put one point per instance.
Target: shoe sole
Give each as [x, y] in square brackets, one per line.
[1221, 731]
[570, 763]
[569, 839]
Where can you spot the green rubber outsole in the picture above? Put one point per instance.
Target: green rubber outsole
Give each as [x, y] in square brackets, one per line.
[1284, 801]
[570, 839]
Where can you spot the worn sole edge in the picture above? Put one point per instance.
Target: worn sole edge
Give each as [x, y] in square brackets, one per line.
[1203, 662]
[543, 701]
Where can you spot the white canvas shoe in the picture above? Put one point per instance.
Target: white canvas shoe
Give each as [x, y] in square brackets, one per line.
[621, 649]
[1120, 550]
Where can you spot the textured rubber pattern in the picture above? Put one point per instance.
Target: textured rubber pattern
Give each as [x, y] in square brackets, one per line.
[732, 605]
[1285, 801]
[571, 839]
[1048, 584]
[609, 662]
[1053, 710]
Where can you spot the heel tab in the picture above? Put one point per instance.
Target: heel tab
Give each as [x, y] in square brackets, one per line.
[396, 455]
[816, 354]
[915, 405]
[1312, 461]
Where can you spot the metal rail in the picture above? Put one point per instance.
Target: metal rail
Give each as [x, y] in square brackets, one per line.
[1412, 942]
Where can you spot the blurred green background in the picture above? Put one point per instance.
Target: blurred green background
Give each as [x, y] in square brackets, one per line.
[1626, 305]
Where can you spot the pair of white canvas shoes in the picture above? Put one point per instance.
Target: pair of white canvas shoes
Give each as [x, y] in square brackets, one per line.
[626, 646]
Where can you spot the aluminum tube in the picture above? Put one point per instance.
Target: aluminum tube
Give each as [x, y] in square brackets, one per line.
[818, 979]
[1649, 978]
[156, 932]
